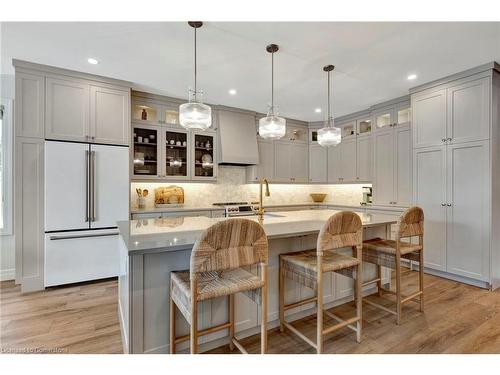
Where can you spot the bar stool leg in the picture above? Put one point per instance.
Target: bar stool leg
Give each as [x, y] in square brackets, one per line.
[379, 282]
[359, 302]
[194, 317]
[398, 288]
[421, 279]
[231, 320]
[282, 296]
[173, 318]
[319, 309]
[263, 322]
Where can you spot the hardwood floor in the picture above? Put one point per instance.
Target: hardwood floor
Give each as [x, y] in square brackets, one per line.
[83, 319]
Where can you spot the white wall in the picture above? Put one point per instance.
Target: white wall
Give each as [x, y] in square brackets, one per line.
[7, 248]
[231, 186]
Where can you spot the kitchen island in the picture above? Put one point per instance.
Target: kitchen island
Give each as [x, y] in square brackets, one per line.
[151, 248]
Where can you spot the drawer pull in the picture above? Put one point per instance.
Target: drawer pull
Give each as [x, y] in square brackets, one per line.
[57, 238]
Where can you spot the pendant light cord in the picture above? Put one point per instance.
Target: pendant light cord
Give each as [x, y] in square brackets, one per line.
[272, 82]
[329, 117]
[195, 70]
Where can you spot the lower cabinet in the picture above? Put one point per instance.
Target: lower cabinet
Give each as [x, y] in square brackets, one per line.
[452, 185]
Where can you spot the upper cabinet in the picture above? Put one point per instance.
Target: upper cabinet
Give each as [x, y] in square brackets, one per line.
[429, 118]
[76, 110]
[265, 168]
[152, 112]
[109, 115]
[454, 114]
[30, 110]
[468, 113]
[318, 166]
[67, 110]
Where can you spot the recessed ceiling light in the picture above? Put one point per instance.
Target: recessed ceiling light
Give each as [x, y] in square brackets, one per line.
[232, 92]
[317, 110]
[92, 61]
[411, 77]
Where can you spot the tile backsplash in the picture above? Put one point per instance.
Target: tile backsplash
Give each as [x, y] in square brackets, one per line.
[231, 186]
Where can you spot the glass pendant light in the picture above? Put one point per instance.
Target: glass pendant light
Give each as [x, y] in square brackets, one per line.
[272, 126]
[195, 114]
[329, 135]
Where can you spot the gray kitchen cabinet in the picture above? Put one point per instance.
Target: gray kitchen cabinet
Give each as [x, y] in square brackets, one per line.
[282, 161]
[348, 159]
[468, 204]
[265, 168]
[402, 166]
[468, 113]
[109, 115]
[29, 211]
[76, 110]
[300, 162]
[291, 162]
[334, 166]
[383, 167]
[29, 107]
[429, 118]
[456, 113]
[392, 166]
[454, 180]
[429, 191]
[318, 166]
[364, 158]
[67, 112]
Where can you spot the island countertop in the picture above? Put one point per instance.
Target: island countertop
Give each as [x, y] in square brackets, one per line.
[180, 233]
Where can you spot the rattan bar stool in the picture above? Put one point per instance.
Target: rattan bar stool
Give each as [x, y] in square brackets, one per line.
[343, 229]
[219, 263]
[388, 253]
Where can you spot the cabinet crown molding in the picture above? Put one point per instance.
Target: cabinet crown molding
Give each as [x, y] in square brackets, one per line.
[31, 66]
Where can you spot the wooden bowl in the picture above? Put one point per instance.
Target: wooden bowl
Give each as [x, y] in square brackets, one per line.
[318, 197]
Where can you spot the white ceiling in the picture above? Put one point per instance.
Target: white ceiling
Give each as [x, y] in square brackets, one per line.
[372, 59]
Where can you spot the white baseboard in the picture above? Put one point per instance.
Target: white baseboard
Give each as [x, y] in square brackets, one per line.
[7, 274]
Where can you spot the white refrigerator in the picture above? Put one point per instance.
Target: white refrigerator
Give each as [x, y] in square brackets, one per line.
[86, 193]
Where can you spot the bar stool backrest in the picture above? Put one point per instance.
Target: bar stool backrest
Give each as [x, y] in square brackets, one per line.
[229, 244]
[343, 229]
[411, 223]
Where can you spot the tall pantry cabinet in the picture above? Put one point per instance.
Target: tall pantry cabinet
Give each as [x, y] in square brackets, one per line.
[456, 176]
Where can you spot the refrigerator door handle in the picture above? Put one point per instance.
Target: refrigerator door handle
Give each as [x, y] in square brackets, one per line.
[57, 238]
[87, 183]
[92, 192]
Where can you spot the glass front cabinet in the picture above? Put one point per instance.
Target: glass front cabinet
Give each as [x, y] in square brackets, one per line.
[173, 153]
[203, 146]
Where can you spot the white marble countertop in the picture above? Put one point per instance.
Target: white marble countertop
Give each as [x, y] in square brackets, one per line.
[272, 205]
[180, 233]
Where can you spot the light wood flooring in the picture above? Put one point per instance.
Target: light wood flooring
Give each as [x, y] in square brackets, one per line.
[83, 319]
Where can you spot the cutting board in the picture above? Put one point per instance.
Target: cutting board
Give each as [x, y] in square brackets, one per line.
[169, 195]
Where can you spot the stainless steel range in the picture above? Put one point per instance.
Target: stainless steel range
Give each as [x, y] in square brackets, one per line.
[234, 209]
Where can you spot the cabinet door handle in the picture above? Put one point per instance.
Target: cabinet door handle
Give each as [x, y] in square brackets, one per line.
[443, 204]
[449, 139]
[449, 204]
[57, 238]
[443, 140]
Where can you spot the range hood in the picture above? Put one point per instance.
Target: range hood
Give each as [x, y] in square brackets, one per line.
[237, 138]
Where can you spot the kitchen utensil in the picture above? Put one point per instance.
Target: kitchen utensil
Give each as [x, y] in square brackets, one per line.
[138, 191]
[141, 202]
[145, 192]
[318, 197]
